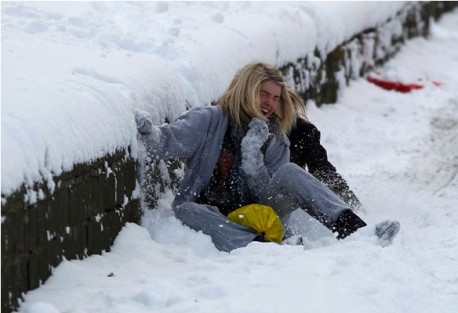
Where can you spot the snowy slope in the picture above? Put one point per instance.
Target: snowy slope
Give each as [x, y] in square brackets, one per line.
[399, 153]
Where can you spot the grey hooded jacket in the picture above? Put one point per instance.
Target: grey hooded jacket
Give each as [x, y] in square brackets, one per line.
[197, 136]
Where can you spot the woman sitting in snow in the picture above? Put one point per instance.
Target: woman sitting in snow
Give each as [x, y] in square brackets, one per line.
[237, 154]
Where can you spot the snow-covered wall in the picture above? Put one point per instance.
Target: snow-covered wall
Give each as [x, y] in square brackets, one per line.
[72, 72]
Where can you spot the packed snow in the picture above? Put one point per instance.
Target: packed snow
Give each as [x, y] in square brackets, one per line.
[398, 152]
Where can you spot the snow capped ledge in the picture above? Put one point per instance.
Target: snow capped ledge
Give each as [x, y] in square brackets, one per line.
[72, 73]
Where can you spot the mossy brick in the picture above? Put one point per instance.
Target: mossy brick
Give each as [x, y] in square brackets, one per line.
[427, 12]
[41, 262]
[62, 206]
[53, 252]
[9, 244]
[79, 170]
[19, 231]
[74, 242]
[96, 165]
[335, 60]
[42, 223]
[446, 6]
[52, 210]
[86, 198]
[410, 25]
[119, 187]
[14, 283]
[114, 225]
[45, 221]
[66, 179]
[123, 215]
[110, 192]
[130, 178]
[97, 235]
[116, 156]
[38, 268]
[80, 240]
[15, 201]
[97, 195]
[76, 207]
[29, 227]
[134, 211]
[66, 239]
[329, 91]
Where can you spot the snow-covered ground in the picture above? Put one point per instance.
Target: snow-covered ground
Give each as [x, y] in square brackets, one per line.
[399, 153]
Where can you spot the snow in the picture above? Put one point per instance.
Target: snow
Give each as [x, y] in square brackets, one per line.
[73, 72]
[399, 153]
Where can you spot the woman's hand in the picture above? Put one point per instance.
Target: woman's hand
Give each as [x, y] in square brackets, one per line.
[257, 133]
[144, 123]
[254, 139]
[252, 157]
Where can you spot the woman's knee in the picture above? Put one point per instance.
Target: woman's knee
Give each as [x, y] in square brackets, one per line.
[289, 170]
[188, 209]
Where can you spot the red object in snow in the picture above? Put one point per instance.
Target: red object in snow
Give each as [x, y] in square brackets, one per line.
[438, 84]
[391, 85]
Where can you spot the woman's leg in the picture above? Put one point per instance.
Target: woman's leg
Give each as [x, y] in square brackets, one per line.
[225, 234]
[292, 187]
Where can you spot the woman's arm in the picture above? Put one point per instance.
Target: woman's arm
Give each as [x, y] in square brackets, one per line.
[181, 138]
[258, 166]
[306, 150]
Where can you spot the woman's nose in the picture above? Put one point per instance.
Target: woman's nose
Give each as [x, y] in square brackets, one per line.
[268, 101]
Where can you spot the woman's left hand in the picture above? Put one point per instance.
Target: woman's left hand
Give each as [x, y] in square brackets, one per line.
[257, 133]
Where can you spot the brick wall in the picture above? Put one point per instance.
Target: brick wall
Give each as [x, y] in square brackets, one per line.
[81, 217]
[319, 77]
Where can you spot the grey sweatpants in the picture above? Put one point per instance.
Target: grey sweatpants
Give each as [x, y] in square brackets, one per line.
[290, 188]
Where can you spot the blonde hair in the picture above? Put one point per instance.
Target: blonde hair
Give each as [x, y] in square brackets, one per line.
[241, 99]
[299, 105]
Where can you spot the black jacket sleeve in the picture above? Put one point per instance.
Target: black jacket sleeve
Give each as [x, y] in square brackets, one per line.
[307, 151]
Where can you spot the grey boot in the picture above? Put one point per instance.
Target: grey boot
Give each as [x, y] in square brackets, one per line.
[387, 231]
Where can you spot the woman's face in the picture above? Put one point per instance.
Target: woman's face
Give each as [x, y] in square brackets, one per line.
[269, 95]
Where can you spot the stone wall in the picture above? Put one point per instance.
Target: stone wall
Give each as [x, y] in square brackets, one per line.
[319, 77]
[90, 204]
[82, 216]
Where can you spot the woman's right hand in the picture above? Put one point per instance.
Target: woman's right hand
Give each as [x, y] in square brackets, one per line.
[144, 123]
